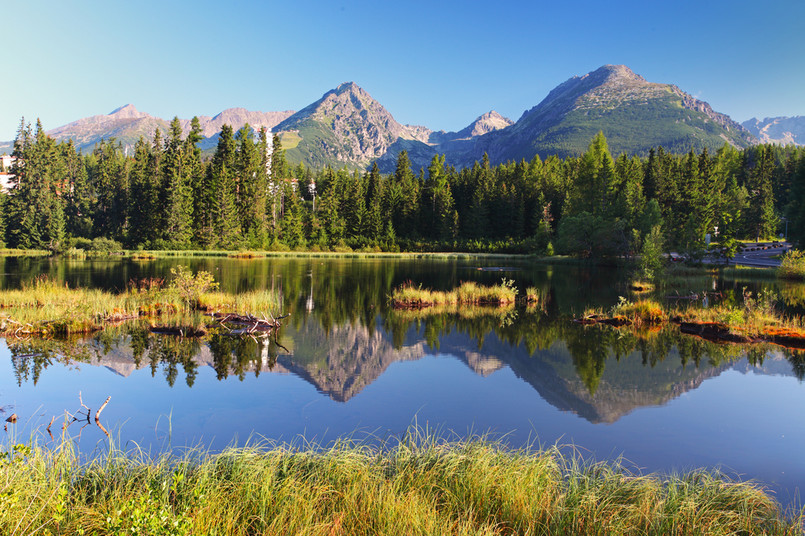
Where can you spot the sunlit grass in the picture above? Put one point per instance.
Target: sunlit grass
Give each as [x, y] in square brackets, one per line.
[422, 485]
[469, 292]
[47, 307]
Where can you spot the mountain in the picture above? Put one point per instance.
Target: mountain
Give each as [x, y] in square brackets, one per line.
[126, 124]
[634, 115]
[457, 145]
[779, 130]
[347, 127]
[344, 127]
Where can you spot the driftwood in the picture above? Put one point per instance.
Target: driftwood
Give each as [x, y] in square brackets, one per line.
[84, 417]
[251, 324]
[617, 321]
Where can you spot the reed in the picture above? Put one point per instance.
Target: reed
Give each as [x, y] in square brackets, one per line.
[46, 307]
[421, 485]
[468, 293]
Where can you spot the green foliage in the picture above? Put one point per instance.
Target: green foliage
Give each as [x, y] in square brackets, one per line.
[792, 265]
[190, 286]
[651, 258]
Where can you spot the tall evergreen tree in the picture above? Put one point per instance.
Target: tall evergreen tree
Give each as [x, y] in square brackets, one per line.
[177, 189]
[221, 218]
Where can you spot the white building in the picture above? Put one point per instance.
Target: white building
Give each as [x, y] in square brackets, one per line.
[6, 162]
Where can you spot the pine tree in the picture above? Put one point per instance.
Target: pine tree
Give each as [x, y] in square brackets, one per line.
[36, 208]
[79, 197]
[177, 191]
[220, 195]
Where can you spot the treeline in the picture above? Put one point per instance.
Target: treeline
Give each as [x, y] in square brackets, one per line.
[167, 196]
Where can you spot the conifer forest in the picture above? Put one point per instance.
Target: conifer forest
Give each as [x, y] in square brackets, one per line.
[245, 195]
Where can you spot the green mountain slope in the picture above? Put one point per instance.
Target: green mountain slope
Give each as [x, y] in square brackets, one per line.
[634, 115]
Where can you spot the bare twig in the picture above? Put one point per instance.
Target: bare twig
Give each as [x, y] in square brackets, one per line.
[98, 413]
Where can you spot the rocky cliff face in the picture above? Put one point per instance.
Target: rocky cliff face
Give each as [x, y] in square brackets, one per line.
[779, 130]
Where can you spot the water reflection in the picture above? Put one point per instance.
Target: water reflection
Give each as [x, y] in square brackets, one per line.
[345, 361]
[598, 372]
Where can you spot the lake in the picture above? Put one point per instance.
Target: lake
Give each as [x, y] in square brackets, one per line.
[346, 364]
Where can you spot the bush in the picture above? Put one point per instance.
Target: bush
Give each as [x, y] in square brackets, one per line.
[189, 286]
[105, 245]
[792, 265]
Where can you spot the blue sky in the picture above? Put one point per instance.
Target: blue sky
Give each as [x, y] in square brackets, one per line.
[438, 64]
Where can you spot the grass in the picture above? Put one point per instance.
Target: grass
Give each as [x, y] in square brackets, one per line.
[418, 486]
[754, 319]
[468, 293]
[6, 252]
[45, 307]
[642, 313]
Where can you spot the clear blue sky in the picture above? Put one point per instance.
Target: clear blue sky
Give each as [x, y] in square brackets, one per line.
[438, 64]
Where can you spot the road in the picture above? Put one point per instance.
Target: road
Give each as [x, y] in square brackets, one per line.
[761, 254]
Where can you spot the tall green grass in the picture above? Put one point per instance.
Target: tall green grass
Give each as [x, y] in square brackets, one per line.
[420, 486]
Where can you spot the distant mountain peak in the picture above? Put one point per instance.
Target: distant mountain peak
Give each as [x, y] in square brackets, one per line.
[614, 72]
[779, 130]
[485, 123]
[127, 111]
[348, 86]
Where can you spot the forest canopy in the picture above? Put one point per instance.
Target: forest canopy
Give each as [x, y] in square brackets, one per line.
[166, 195]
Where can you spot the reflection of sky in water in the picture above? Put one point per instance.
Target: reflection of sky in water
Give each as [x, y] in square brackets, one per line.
[736, 420]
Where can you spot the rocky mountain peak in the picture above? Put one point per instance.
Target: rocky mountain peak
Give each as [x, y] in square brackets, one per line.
[348, 87]
[487, 122]
[127, 111]
[615, 73]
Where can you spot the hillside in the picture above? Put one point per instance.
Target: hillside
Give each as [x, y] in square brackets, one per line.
[634, 115]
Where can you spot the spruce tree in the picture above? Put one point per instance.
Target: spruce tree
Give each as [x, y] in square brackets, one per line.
[177, 191]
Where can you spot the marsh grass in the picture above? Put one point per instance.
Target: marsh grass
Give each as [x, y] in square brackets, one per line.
[468, 293]
[420, 485]
[644, 313]
[45, 307]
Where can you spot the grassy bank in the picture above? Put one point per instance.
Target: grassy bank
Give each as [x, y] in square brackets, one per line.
[418, 487]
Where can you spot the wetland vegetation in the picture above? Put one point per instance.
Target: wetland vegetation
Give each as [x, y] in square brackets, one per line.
[419, 485]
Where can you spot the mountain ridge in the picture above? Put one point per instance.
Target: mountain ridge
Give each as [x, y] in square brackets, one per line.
[780, 130]
[347, 127]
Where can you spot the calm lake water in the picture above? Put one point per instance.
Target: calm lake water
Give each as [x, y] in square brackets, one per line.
[346, 364]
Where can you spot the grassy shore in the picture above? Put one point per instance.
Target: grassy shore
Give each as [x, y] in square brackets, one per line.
[421, 486]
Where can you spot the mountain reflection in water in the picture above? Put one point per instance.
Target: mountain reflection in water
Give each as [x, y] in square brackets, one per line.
[599, 373]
